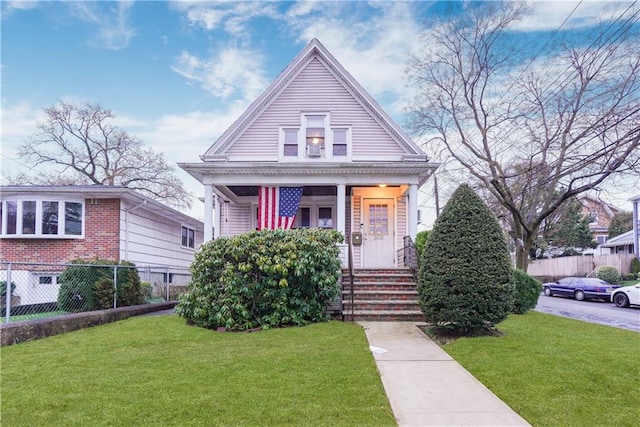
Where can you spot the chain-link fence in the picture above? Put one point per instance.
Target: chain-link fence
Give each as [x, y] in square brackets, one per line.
[30, 290]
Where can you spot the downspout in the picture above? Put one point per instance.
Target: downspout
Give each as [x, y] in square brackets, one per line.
[126, 228]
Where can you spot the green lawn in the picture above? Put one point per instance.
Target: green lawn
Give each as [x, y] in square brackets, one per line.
[156, 370]
[555, 371]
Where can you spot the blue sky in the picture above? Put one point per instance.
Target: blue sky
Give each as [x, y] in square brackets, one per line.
[176, 74]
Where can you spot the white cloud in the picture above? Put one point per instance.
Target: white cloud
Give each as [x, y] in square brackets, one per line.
[550, 15]
[113, 26]
[233, 17]
[374, 51]
[233, 73]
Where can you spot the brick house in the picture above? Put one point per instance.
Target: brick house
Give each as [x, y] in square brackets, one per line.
[53, 225]
[600, 214]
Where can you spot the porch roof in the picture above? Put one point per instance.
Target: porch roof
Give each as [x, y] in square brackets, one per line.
[310, 173]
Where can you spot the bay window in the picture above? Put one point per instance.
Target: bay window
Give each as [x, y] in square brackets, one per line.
[41, 218]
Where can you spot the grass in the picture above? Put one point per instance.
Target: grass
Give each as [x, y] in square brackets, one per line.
[156, 370]
[555, 371]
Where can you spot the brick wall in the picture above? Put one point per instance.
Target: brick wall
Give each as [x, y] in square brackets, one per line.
[101, 239]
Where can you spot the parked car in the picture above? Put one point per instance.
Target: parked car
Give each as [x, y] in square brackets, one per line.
[580, 288]
[626, 296]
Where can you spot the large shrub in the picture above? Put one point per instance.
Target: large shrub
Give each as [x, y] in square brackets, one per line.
[264, 279]
[3, 288]
[464, 279]
[421, 241]
[634, 267]
[88, 285]
[608, 273]
[527, 292]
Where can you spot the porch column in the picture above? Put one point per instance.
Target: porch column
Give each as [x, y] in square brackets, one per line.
[341, 207]
[217, 216]
[413, 211]
[208, 212]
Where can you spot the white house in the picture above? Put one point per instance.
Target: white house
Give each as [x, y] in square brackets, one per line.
[315, 127]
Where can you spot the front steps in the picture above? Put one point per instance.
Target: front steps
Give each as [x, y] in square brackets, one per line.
[381, 294]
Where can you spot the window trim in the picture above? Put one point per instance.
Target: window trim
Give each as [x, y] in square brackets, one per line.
[327, 150]
[38, 234]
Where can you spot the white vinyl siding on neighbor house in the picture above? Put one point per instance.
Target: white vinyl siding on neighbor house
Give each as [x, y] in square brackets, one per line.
[313, 90]
[151, 239]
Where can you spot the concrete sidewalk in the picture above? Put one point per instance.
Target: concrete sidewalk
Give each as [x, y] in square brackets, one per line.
[425, 386]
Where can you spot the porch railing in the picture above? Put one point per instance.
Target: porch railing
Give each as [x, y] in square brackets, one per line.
[408, 255]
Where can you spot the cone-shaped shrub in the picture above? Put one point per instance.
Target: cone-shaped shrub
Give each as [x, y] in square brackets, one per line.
[464, 280]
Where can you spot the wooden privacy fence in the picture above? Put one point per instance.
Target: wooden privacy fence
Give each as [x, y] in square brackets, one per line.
[578, 265]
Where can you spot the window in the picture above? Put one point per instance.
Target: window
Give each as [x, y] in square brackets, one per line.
[28, 217]
[42, 218]
[593, 217]
[12, 217]
[49, 217]
[188, 237]
[290, 142]
[315, 139]
[303, 218]
[315, 136]
[339, 142]
[325, 218]
[601, 239]
[45, 280]
[72, 218]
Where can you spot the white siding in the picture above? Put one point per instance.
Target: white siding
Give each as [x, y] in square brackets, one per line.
[401, 221]
[315, 89]
[235, 219]
[155, 240]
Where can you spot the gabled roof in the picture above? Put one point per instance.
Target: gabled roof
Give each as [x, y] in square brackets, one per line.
[609, 209]
[100, 192]
[316, 50]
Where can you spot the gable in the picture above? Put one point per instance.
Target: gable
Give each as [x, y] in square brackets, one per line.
[314, 89]
[314, 83]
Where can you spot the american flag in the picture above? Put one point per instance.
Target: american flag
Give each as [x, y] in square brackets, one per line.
[277, 207]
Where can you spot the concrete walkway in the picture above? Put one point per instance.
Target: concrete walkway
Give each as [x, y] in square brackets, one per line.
[426, 387]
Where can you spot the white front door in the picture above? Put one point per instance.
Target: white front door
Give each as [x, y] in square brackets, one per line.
[378, 234]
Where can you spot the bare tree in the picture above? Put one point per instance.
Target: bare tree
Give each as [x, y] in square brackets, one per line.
[81, 141]
[536, 135]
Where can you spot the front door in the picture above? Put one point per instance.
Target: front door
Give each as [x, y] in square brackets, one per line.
[378, 247]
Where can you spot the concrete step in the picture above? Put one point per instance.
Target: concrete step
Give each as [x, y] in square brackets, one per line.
[384, 316]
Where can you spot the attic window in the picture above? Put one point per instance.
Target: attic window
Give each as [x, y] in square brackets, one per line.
[315, 136]
[290, 142]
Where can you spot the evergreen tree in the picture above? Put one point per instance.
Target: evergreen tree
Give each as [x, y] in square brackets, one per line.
[621, 223]
[464, 280]
[572, 229]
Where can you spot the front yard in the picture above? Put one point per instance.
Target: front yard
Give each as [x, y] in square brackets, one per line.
[156, 370]
[555, 371]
